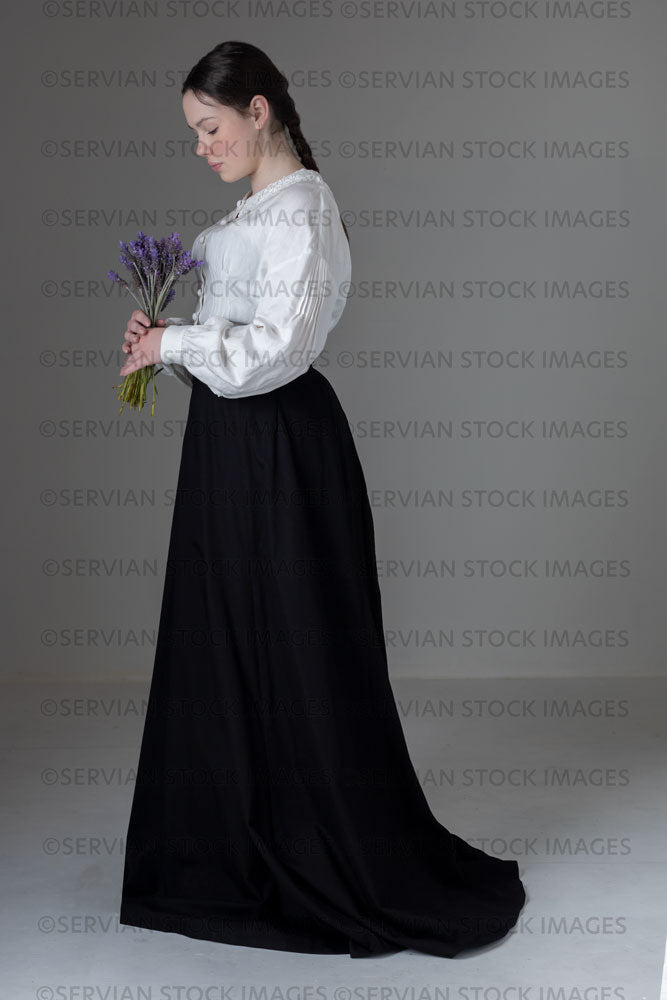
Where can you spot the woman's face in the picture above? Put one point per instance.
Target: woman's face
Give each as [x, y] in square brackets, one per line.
[227, 140]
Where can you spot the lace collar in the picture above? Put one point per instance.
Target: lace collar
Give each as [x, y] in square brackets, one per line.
[250, 200]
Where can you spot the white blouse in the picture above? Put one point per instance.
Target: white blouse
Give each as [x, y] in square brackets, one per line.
[273, 285]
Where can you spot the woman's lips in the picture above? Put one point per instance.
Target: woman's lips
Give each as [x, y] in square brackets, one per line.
[215, 166]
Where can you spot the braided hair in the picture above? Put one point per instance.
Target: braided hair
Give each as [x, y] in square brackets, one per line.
[233, 72]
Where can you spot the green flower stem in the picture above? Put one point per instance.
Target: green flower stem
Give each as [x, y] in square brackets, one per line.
[132, 389]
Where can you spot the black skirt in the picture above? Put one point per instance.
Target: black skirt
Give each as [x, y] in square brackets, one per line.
[276, 805]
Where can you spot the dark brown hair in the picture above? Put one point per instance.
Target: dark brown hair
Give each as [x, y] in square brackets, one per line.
[233, 72]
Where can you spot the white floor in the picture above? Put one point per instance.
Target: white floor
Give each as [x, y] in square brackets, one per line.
[591, 849]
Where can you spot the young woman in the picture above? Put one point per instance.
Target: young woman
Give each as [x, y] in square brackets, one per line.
[276, 805]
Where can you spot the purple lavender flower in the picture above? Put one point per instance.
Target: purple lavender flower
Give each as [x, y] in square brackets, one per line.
[154, 267]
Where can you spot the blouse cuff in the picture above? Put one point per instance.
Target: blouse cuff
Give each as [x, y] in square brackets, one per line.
[174, 367]
[171, 347]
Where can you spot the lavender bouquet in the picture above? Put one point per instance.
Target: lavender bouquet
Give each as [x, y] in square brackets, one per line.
[154, 267]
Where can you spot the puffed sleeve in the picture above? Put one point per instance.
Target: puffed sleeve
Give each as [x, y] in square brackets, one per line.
[294, 313]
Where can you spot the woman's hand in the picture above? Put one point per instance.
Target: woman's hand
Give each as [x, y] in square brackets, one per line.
[142, 342]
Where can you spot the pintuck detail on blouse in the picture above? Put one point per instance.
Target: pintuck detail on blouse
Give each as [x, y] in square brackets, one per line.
[273, 285]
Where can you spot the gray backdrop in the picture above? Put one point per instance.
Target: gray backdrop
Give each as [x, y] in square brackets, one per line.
[501, 169]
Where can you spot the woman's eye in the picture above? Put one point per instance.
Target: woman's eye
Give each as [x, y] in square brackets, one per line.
[213, 132]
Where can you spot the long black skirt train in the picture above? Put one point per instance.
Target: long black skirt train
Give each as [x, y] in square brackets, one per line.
[276, 805]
